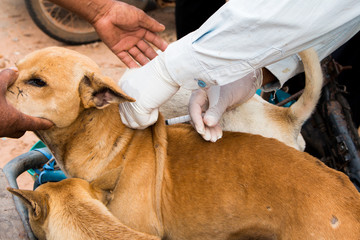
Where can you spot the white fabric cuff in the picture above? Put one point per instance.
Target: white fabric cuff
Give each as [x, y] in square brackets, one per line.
[183, 66]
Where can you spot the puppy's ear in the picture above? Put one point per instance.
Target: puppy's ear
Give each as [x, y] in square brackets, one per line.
[100, 91]
[36, 202]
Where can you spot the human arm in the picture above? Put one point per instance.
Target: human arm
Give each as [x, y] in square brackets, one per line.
[125, 29]
[12, 122]
[244, 36]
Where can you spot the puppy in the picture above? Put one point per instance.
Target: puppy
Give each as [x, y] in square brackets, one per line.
[74, 209]
[172, 183]
[257, 116]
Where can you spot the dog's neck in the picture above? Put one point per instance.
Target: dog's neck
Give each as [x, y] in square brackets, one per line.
[98, 141]
[90, 144]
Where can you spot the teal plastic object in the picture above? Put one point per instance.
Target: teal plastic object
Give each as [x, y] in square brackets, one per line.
[37, 145]
[48, 173]
[280, 95]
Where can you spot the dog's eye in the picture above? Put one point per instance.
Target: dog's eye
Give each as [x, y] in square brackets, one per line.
[37, 82]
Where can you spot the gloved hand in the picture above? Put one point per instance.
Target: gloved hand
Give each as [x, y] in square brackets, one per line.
[214, 101]
[151, 86]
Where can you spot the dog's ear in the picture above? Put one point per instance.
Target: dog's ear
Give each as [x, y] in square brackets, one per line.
[99, 91]
[36, 202]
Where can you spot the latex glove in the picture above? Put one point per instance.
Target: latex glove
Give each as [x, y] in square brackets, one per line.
[151, 86]
[127, 31]
[12, 122]
[214, 101]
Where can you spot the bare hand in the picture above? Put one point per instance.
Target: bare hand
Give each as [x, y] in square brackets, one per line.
[128, 32]
[12, 122]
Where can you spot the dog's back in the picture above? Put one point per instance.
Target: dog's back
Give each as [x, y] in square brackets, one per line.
[73, 209]
[254, 186]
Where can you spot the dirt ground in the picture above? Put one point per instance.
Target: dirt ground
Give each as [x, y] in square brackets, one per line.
[20, 36]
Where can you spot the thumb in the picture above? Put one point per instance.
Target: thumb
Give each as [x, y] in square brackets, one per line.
[30, 123]
[17, 134]
[213, 115]
[7, 78]
[150, 23]
[217, 106]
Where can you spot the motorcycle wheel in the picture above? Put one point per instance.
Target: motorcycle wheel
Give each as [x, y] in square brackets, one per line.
[60, 23]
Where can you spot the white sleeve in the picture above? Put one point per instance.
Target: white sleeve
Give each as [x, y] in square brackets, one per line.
[246, 35]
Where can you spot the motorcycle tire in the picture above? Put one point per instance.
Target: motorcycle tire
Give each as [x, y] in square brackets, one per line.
[60, 23]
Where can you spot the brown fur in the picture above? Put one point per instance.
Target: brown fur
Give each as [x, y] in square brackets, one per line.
[172, 183]
[74, 209]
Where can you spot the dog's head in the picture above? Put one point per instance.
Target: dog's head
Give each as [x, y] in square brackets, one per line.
[56, 83]
[57, 204]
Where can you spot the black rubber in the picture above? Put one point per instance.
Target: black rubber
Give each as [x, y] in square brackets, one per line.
[47, 26]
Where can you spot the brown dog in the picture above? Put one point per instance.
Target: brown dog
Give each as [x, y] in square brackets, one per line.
[74, 209]
[172, 183]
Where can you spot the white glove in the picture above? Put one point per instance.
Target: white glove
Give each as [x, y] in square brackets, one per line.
[215, 100]
[151, 86]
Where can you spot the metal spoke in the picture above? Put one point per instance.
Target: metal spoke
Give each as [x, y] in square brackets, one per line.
[65, 19]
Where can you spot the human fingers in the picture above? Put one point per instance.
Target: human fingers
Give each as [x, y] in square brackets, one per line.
[206, 135]
[197, 100]
[149, 23]
[146, 49]
[125, 57]
[215, 133]
[217, 105]
[29, 123]
[7, 78]
[17, 134]
[144, 52]
[196, 119]
[212, 115]
[212, 133]
[156, 40]
[14, 124]
[138, 56]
